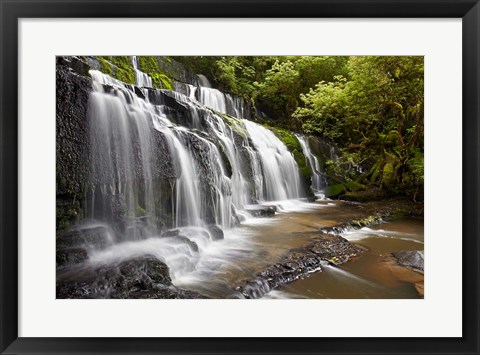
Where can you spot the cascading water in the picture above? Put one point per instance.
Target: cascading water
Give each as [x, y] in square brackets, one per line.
[217, 100]
[318, 183]
[121, 176]
[275, 179]
[141, 79]
[281, 178]
[223, 163]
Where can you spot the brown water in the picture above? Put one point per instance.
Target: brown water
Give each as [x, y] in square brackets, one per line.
[367, 276]
[261, 242]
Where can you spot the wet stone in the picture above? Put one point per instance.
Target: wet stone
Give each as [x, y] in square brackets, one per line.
[70, 256]
[215, 232]
[261, 210]
[410, 258]
[95, 237]
[141, 277]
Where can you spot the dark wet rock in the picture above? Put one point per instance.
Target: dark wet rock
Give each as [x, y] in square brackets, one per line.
[139, 92]
[410, 258]
[141, 277]
[176, 70]
[166, 293]
[77, 64]
[176, 235]
[301, 262]
[261, 210]
[72, 148]
[171, 233]
[215, 232]
[144, 270]
[71, 256]
[95, 237]
[335, 249]
[187, 241]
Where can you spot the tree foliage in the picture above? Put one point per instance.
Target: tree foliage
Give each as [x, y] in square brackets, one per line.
[375, 117]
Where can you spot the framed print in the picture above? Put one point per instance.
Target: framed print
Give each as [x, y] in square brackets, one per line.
[239, 177]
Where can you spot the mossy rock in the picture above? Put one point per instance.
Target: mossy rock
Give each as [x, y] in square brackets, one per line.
[160, 80]
[119, 67]
[354, 186]
[387, 176]
[335, 190]
[375, 174]
[235, 124]
[293, 145]
[364, 196]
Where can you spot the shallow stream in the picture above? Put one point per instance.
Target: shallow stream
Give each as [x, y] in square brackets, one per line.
[260, 242]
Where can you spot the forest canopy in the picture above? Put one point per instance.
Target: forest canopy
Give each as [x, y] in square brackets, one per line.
[369, 107]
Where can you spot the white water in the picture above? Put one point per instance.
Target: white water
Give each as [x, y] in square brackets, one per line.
[215, 161]
[317, 178]
[281, 177]
[141, 79]
[366, 232]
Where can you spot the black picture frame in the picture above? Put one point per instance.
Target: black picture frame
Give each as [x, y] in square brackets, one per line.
[12, 11]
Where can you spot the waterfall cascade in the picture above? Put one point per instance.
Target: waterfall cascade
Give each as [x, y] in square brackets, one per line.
[222, 163]
[318, 180]
[141, 79]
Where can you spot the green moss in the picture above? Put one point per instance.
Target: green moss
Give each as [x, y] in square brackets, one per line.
[119, 67]
[105, 66]
[335, 190]
[149, 65]
[375, 174]
[387, 176]
[161, 81]
[354, 186]
[126, 76]
[364, 196]
[235, 124]
[121, 61]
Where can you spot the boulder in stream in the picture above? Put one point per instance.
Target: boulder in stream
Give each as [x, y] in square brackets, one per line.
[410, 258]
[300, 262]
[139, 277]
[261, 210]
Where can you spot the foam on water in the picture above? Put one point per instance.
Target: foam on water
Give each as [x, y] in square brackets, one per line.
[366, 232]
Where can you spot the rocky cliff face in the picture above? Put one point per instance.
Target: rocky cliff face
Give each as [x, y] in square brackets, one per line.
[72, 148]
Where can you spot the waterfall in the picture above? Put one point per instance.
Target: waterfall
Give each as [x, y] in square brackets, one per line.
[141, 79]
[185, 89]
[219, 165]
[213, 98]
[217, 100]
[203, 81]
[281, 177]
[317, 177]
[122, 178]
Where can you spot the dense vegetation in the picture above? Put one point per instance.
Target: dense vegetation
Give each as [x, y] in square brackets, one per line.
[370, 108]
